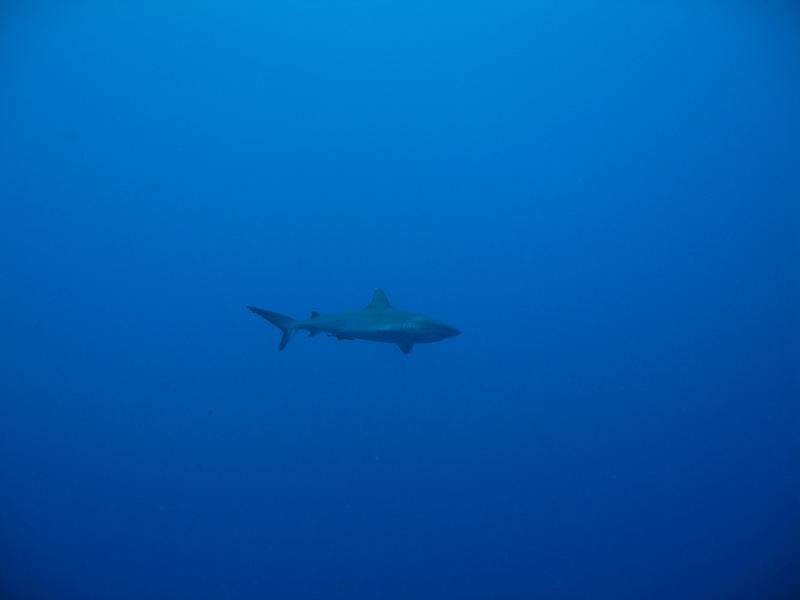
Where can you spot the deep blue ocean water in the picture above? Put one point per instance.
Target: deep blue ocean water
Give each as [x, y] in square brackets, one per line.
[603, 197]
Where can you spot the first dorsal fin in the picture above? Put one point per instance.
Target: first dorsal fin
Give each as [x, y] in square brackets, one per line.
[314, 314]
[379, 300]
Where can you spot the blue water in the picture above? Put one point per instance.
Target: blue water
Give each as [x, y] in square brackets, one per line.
[602, 196]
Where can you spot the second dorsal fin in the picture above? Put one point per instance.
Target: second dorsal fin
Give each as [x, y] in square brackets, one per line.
[379, 300]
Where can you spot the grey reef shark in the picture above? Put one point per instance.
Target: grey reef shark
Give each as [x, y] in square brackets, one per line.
[377, 322]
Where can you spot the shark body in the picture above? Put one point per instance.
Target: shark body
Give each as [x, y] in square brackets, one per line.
[378, 322]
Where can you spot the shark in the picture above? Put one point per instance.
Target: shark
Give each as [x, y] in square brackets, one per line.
[379, 321]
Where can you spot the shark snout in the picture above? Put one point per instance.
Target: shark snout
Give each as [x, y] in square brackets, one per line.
[449, 331]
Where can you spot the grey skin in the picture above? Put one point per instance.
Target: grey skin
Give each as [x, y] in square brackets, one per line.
[378, 322]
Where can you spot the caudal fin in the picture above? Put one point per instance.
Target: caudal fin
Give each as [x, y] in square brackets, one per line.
[282, 322]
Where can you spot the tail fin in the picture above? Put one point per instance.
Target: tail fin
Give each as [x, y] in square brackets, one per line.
[282, 322]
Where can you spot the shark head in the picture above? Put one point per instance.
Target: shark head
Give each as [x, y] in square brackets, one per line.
[426, 329]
